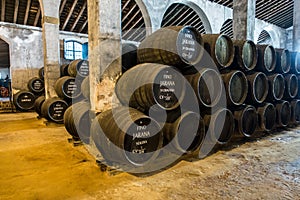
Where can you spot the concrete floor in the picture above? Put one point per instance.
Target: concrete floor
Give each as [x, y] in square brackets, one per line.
[37, 162]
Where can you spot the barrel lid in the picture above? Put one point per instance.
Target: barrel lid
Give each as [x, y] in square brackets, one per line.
[224, 50]
[249, 55]
[248, 123]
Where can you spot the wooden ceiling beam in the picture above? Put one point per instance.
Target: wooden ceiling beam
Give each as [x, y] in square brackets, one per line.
[69, 15]
[83, 26]
[16, 11]
[62, 6]
[79, 16]
[3, 11]
[37, 17]
[27, 12]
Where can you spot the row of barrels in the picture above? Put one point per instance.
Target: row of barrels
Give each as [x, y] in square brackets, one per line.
[174, 72]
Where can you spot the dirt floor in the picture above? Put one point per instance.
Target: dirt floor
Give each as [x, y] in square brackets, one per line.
[37, 162]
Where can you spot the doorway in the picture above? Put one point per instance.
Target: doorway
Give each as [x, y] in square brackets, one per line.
[5, 74]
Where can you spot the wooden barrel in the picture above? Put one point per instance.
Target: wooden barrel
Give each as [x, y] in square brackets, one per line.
[85, 88]
[276, 87]
[207, 84]
[129, 56]
[41, 73]
[283, 113]
[77, 121]
[291, 86]
[53, 109]
[258, 87]
[24, 100]
[64, 70]
[283, 62]
[148, 84]
[79, 68]
[68, 87]
[127, 138]
[245, 55]
[176, 46]
[220, 47]
[36, 85]
[185, 135]
[266, 117]
[236, 86]
[38, 105]
[266, 58]
[295, 64]
[220, 126]
[246, 121]
[295, 111]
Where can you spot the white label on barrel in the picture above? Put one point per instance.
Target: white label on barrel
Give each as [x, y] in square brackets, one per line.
[84, 68]
[37, 85]
[71, 88]
[58, 110]
[188, 46]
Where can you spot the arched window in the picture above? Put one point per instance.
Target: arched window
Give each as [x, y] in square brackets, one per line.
[72, 50]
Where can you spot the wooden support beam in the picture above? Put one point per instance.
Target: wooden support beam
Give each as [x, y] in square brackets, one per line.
[69, 15]
[3, 11]
[27, 12]
[37, 17]
[62, 5]
[79, 16]
[83, 26]
[16, 11]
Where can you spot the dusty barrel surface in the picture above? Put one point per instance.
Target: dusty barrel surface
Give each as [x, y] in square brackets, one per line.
[151, 84]
[295, 63]
[266, 58]
[127, 137]
[283, 113]
[78, 68]
[246, 120]
[36, 85]
[41, 73]
[85, 88]
[295, 111]
[129, 56]
[276, 87]
[236, 86]
[53, 109]
[291, 86]
[184, 135]
[283, 62]
[258, 87]
[24, 100]
[77, 120]
[178, 46]
[266, 117]
[245, 54]
[220, 47]
[220, 126]
[38, 105]
[207, 84]
[68, 87]
[64, 70]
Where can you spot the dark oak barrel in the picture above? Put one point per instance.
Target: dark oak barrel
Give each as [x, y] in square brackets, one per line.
[266, 58]
[38, 105]
[276, 87]
[127, 138]
[53, 109]
[68, 87]
[291, 86]
[245, 57]
[220, 47]
[24, 100]
[41, 73]
[151, 84]
[78, 68]
[64, 70]
[36, 85]
[176, 46]
[266, 117]
[258, 87]
[220, 126]
[295, 111]
[185, 135]
[77, 121]
[129, 56]
[283, 113]
[207, 84]
[295, 64]
[283, 62]
[236, 86]
[85, 88]
[246, 121]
